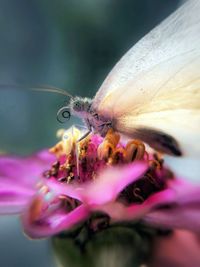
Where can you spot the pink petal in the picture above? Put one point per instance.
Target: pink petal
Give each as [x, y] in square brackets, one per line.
[104, 188]
[8, 186]
[117, 211]
[13, 206]
[183, 212]
[13, 197]
[18, 178]
[54, 222]
[25, 170]
[110, 183]
[175, 207]
[182, 217]
[185, 192]
[63, 189]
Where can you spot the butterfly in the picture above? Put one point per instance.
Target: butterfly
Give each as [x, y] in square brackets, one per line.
[153, 92]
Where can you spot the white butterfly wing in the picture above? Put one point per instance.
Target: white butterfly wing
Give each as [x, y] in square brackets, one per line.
[173, 107]
[155, 87]
[176, 35]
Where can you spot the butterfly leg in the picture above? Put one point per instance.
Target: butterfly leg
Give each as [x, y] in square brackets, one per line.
[84, 136]
[88, 126]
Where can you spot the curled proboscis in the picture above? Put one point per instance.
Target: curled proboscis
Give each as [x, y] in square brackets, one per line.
[63, 114]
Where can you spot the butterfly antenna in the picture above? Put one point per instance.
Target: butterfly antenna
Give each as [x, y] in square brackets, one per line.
[40, 88]
[51, 89]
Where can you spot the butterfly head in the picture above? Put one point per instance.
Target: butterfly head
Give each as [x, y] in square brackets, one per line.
[80, 106]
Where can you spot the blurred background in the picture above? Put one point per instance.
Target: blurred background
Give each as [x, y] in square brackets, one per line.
[65, 43]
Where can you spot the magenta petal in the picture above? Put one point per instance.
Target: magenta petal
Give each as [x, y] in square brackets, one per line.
[18, 177]
[63, 189]
[25, 170]
[184, 211]
[117, 211]
[161, 198]
[13, 197]
[110, 183]
[13, 206]
[54, 223]
[6, 187]
[182, 217]
[185, 192]
[104, 188]
[176, 207]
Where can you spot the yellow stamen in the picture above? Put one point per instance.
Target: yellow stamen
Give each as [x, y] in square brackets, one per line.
[58, 149]
[134, 150]
[107, 147]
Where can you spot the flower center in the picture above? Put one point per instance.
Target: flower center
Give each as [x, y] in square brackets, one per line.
[79, 162]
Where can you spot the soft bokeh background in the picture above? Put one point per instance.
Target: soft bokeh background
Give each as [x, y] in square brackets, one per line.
[69, 44]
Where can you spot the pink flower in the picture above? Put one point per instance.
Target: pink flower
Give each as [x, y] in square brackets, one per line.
[54, 191]
[18, 177]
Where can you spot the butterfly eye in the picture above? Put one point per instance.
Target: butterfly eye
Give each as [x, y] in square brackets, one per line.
[63, 114]
[77, 106]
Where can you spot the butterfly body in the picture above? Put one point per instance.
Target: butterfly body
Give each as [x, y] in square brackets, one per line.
[82, 107]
